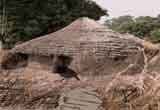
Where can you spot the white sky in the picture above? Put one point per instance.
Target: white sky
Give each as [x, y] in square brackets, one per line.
[132, 7]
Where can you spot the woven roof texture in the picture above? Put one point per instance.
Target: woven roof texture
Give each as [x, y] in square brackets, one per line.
[83, 34]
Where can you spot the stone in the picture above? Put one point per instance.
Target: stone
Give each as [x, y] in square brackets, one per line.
[80, 99]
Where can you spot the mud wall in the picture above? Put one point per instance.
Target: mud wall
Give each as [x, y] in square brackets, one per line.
[40, 63]
[105, 58]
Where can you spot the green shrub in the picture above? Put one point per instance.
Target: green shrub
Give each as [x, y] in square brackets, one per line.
[155, 35]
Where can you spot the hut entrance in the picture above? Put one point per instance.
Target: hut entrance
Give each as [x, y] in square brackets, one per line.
[61, 63]
[61, 66]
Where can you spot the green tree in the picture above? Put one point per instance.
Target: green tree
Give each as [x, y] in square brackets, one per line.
[143, 26]
[121, 24]
[155, 35]
[27, 19]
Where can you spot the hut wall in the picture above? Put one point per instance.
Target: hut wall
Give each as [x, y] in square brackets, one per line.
[106, 58]
[92, 67]
[40, 63]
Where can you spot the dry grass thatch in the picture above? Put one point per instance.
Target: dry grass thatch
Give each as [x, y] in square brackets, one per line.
[94, 48]
[81, 35]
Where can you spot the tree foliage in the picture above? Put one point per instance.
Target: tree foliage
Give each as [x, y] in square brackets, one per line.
[155, 35]
[121, 24]
[27, 19]
[143, 26]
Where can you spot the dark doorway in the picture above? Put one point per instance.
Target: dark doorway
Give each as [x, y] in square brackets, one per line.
[61, 66]
[61, 63]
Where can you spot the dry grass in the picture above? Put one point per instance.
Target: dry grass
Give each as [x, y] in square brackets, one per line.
[24, 108]
[133, 93]
[139, 92]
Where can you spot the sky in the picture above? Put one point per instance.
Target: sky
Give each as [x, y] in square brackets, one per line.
[132, 7]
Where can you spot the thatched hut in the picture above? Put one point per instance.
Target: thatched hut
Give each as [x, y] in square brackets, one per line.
[84, 47]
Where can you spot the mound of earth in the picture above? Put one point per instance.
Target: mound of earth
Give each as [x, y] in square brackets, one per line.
[51, 92]
[133, 93]
[39, 91]
[45, 91]
[27, 91]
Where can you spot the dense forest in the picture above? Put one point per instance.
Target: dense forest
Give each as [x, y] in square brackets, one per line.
[22, 20]
[144, 26]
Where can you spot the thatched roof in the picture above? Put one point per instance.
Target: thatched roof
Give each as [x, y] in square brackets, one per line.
[84, 34]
